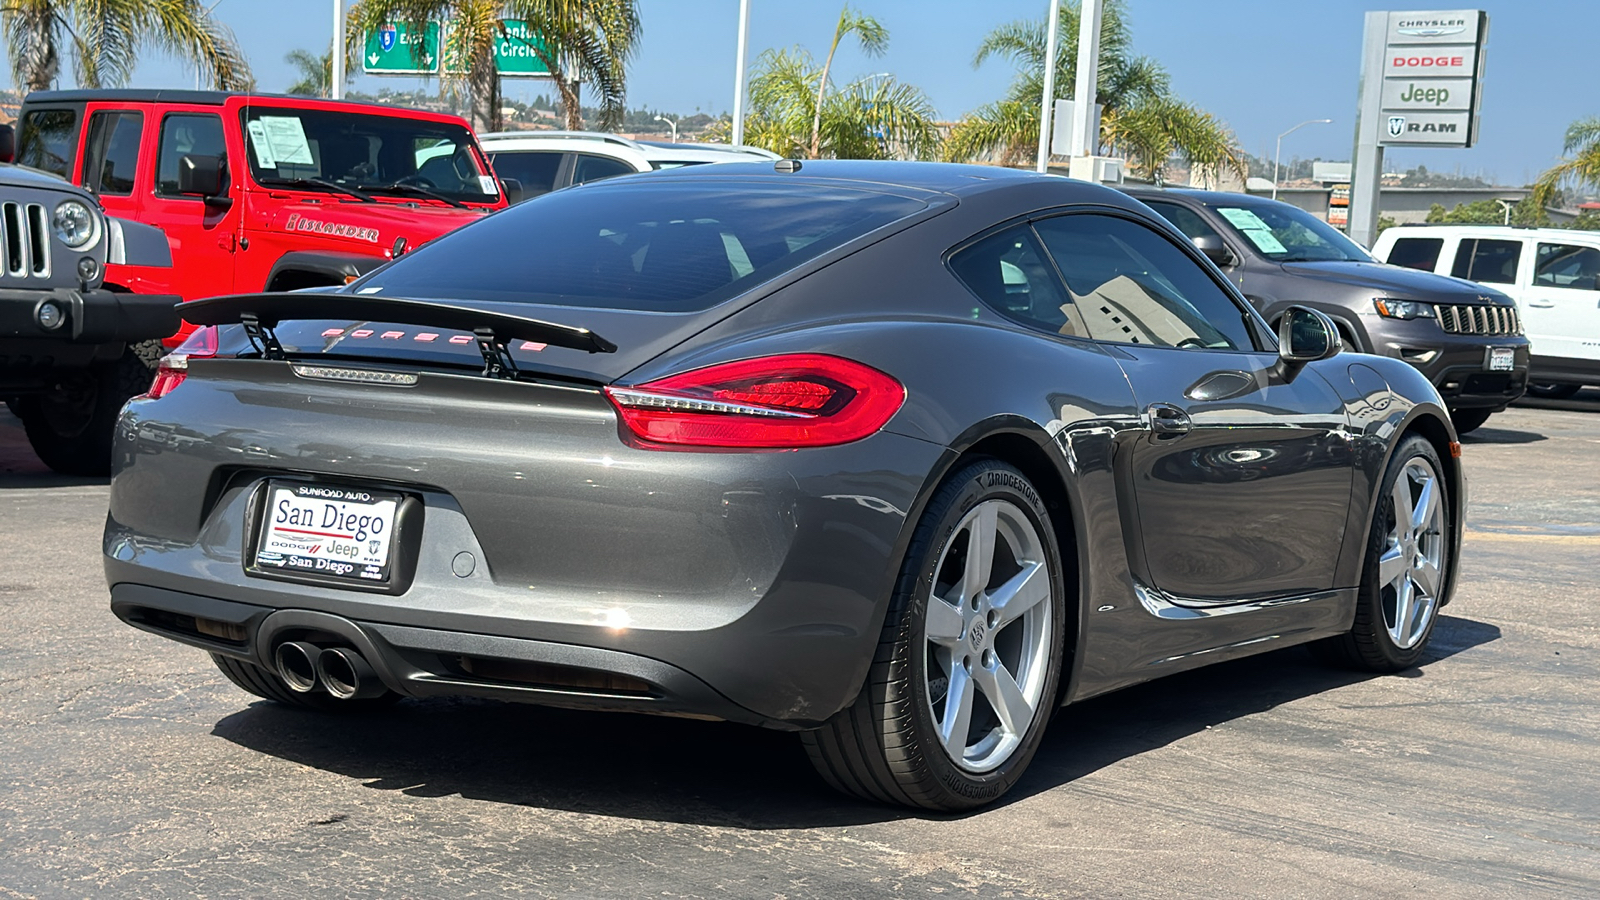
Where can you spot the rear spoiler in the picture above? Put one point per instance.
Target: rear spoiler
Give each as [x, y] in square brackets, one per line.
[261, 313]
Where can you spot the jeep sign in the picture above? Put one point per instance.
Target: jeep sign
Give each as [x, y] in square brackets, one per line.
[1430, 88]
[1427, 94]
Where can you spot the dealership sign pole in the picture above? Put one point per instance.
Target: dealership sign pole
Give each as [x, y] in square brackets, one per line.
[1421, 86]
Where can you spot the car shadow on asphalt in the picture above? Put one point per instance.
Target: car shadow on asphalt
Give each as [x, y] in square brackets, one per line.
[725, 775]
[1097, 733]
[1486, 435]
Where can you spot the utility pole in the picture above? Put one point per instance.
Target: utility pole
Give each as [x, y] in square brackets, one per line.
[738, 75]
[1048, 100]
[336, 88]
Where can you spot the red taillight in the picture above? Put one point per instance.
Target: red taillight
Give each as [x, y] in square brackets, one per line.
[174, 367]
[790, 401]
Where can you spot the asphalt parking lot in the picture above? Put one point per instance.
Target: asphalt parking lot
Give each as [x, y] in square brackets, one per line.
[131, 768]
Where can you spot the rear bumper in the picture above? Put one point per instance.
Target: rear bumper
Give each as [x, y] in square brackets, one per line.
[764, 576]
[427, 662]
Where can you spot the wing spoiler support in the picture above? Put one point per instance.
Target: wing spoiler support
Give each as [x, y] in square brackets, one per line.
[260, 315]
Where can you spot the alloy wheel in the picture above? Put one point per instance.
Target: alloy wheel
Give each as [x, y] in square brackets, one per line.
[987, 628]
[1411, 567]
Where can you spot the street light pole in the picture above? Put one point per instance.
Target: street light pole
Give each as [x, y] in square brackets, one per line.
[673, 124]
[1279, 151]
[1049, 87]
[738, 75]
[197, 63]
[336, 88]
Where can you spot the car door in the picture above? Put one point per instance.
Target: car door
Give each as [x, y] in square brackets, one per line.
[203, 232]
[537, 172]
[1240, 483]
[111, 155]
[1561, 308]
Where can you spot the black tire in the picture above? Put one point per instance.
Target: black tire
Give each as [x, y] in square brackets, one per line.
[1369, 646]
[1553, 391]
[1467, 420]
[268, 685]
[71, 428]
[885, 746]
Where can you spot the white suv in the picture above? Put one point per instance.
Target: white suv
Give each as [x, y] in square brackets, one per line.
[1552, 273]
[543, 161]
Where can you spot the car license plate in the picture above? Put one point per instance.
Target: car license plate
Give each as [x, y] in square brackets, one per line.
[327, 531]
[1501, 359]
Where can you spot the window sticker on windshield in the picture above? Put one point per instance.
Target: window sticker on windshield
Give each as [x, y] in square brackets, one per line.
[258, 140]
[486, 184]
[286, 139]
[1259, 232]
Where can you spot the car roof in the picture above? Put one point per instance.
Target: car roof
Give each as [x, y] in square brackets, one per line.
[650, 151]
[1144, 193]
[958, 179]
[1514, 232]
[219, 98]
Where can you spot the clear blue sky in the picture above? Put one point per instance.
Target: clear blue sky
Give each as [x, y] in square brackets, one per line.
[1262, 65]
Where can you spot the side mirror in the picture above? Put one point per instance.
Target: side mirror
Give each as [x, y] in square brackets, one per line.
[1214, 249]
[203, 175]
[8, 144]
[513, 189]
[1305, 335]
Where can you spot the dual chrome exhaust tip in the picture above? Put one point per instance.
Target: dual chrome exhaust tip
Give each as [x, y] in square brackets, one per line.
[340, 671]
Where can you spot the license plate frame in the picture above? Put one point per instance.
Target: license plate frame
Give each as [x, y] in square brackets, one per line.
[273, 551]
[1500, 359]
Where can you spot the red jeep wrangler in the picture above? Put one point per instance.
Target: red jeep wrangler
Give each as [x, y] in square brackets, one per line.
[260, 192]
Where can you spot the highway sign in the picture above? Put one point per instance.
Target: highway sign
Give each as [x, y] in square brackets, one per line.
[514, 52]
[396, 50]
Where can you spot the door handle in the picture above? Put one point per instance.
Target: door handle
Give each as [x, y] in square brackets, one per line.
[1542, 304]
[1166, 419]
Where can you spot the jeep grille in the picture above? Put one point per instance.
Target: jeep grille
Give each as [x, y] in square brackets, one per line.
[27, 240]
[1467, 318]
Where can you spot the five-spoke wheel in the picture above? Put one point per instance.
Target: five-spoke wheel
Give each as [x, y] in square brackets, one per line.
[969, 661]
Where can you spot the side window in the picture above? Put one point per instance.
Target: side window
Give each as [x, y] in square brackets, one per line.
[199, 134]
[1487, 261]
[535, 169]
[1567, 266]
[112, 156]
[48, 140]
[593, 168]
[1416, 253]
[1183, 218]
[1010, 273]
[1134, 286]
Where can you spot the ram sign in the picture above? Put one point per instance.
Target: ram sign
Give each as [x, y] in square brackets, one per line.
[1432, 78]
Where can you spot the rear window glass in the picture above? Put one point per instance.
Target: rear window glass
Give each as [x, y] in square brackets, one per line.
[652, 247]
[1416, 253]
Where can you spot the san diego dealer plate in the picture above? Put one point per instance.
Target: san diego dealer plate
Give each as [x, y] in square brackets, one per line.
[327, 531]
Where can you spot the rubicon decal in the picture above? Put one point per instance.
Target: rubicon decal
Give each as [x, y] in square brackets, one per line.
[297, 222]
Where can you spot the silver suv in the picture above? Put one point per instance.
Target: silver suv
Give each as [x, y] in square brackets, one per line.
[71, 351]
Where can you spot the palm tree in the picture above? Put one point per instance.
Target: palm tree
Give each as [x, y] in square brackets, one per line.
[105, 37]
[1141, 118]
[877, 117]
[874, 41]
[1581, 166]
[316, 73]
[583, 40]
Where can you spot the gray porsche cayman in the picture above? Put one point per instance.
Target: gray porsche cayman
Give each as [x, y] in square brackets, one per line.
[899, 456]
